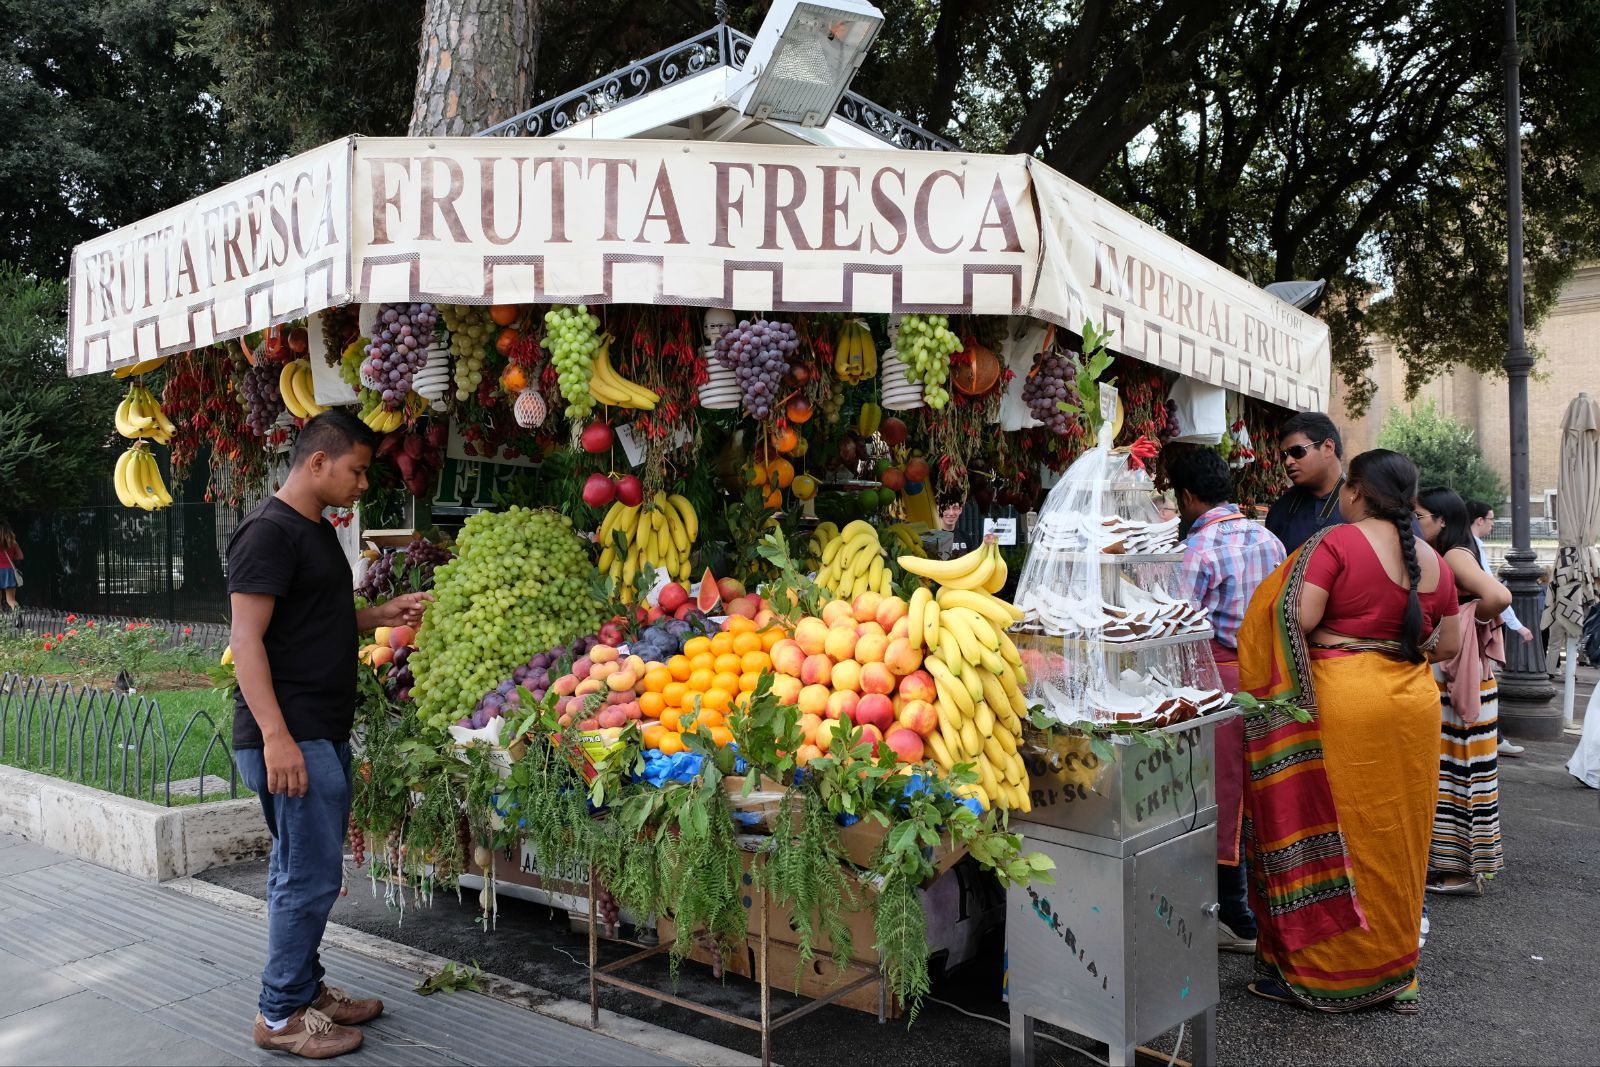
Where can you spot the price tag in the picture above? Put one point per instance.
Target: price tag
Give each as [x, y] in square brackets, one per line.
[1004, 530]
[632, 447]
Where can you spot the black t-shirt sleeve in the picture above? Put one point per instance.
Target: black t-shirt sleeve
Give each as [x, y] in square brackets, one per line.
[260, 560]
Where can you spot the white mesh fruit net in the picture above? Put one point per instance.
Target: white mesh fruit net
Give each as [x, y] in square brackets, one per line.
[1107, 635]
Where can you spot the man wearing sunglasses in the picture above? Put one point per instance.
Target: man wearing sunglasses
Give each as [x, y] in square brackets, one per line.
[1311, 451]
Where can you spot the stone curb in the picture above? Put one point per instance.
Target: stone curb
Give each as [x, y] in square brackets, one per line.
[618, 1027]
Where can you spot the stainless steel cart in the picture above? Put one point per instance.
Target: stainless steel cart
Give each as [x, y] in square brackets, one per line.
[1123, 947]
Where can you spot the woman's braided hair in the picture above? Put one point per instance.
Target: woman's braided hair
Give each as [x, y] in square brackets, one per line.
[1388, 482]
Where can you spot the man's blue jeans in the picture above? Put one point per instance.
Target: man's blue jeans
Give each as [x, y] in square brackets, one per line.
[306, 871]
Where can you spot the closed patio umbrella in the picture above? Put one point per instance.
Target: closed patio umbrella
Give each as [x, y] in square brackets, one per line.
[1577, 513]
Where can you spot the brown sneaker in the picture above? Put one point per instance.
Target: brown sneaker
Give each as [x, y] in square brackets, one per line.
[309, 1034]
[344, 1009]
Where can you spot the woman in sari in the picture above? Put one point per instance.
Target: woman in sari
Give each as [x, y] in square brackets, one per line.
[1466, 822]
[1342, 752]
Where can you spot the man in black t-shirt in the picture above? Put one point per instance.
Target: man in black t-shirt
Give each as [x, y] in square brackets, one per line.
[294, 640]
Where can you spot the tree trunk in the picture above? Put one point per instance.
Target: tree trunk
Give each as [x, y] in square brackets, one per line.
[475, 65]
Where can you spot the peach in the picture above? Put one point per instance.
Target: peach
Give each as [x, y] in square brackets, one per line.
[619, 697]
[381, 635]
[835, 612]
[872, 737]
[611, 717]
[636, 665]
[401, 637]
[787, 656]
[841, 643]
[589, 724]
[901, 658]
[870, 648]
[825, 735]
[816, 670]
[901, 628]
[805, 754]
[589, 685]
[631, 710]
[565, 685]
[918, 716]
[842, 702]
[865, 606]
[380, 655]
[918, 685]
[874, 709]
[877, 678]
[810, 634]
[907, 744]
[765, 618]
[622, 681]
[786, 689]
[846, 676]
[581, 665]
[890, 611]
[870, 628]
[743, 606]
[604, 670]
[603, 654]
[808, 727]
[813, 700]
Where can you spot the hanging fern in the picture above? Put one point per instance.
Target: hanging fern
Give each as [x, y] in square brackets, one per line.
[806, 872]
[902, 932]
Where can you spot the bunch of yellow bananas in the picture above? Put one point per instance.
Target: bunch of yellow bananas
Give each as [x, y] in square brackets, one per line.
[378, 417]
[609, 387]
[821, 537]
[142, 367]
[909, 540]
[299, 393]
[976, 671]
[854, 563]
[855, 353]
[659, 533]
[137, 480]
[140, 415]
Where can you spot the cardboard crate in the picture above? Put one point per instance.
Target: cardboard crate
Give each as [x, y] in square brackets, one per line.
[819, 976]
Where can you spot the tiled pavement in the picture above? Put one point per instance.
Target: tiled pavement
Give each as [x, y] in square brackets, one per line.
[100, 968]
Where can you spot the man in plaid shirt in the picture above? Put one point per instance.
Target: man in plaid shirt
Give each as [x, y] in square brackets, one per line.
[1225, 557]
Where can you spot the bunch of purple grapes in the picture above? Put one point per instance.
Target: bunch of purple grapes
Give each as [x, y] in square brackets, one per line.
[537, 677]
[399, 679]
[263, 402]
[408, 570]
[607, 910]
[399, 348]
[758, 354]
[1049, 385]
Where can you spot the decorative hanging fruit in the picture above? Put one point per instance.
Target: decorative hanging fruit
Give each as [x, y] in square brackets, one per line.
[799, 410]
[916, 469]
[893, 432]
[504, 314]
[597, 437]
[630, 490]
[974, 370]
[599, 490]
[784, 439]
[513, 380]
[804, 487]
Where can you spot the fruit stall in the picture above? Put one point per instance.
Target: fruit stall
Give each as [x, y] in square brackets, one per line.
[668, 430]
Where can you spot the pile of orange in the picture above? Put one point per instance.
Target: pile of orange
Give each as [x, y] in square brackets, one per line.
[708, 682]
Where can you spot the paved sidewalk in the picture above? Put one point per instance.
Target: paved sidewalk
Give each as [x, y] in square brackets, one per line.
[99, 968]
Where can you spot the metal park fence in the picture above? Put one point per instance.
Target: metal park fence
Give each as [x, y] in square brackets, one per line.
[119, 742]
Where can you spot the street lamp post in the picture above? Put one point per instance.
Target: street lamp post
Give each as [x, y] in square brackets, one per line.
[1525, 690]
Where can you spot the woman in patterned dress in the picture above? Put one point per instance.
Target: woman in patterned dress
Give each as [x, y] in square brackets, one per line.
[1466, 825]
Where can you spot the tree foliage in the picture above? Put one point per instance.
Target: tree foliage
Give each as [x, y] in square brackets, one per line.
[1445, 450]
[46, 457]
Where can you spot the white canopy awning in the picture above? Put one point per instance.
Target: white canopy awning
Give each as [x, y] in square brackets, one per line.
[748, 226]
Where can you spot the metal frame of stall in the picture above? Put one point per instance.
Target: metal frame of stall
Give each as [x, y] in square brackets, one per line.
[764, 1025]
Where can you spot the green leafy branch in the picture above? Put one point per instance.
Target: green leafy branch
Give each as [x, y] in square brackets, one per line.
[1097, 359]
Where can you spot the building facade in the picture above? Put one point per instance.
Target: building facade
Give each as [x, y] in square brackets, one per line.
[1568, 347]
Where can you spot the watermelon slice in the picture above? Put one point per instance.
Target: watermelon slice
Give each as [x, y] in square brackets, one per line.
[708, 598]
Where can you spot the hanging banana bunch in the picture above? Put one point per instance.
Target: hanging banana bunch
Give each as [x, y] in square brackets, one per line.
[609, 387]
[659, 533]
[140, 416]
[855, 562]
[855, 353]
[299, 393]
[137, 480]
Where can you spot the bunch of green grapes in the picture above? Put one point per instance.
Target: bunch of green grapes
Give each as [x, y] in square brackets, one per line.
[470, 330]
[519, 584]
[573, 337]
[925, 346]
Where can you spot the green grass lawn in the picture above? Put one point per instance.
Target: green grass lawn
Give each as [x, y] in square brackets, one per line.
[138, 771]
